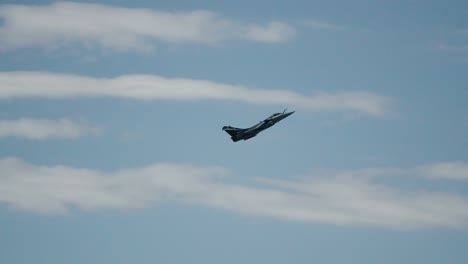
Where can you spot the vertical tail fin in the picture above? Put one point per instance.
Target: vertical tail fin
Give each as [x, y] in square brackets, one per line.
[231, 130]
[238, 133]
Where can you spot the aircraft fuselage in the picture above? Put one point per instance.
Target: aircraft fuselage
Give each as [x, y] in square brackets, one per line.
[246, 133]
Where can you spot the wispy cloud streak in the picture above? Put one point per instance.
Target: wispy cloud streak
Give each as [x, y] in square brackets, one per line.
[447, 170]
[39, 129]
[456, 170]
[153, 87]
[337, 200]
[63, 24]
[315, 24]
[274, 32]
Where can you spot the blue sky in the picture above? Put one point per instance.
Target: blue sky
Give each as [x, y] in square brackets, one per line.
[111, 148]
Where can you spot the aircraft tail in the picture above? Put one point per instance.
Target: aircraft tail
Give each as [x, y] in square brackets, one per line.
[231, 130]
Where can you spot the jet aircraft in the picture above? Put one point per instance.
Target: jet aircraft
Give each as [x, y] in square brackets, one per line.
[246, 133]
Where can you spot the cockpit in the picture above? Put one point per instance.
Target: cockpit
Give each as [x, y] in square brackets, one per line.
[273, 115]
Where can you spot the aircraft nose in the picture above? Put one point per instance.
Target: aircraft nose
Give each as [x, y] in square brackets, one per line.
[283, 116]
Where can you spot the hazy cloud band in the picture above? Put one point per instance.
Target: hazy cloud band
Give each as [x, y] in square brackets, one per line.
[335, 199]
[153, 87]
[119, 28]
[44, 128]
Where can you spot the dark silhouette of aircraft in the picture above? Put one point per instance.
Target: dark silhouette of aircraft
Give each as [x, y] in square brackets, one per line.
[246, 133]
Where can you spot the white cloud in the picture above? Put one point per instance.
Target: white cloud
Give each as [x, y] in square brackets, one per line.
[330, 27]
[448, 170]
[153, 87]
[337, 200]
[457, 170]
[274, 32]
[357, 201]
[315, 24]
[44, 128]
[53, 189]
[119, 28]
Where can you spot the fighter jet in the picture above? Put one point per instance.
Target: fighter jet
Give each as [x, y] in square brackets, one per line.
[246, 133]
